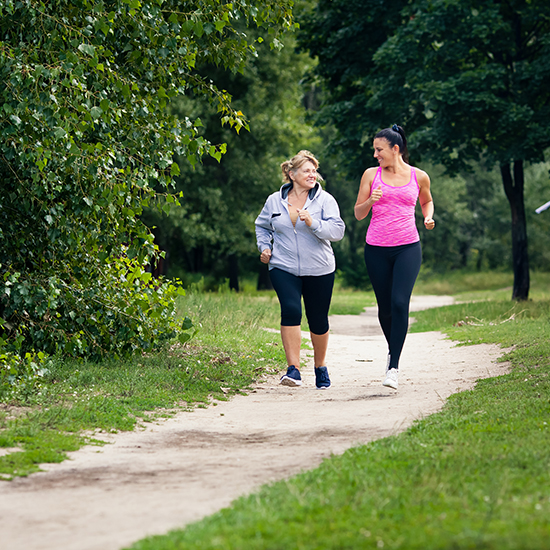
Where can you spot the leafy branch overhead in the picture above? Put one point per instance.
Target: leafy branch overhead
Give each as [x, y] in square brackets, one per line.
[87, 140]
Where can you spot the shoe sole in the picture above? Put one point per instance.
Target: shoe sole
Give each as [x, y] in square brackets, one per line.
[389, 384]
[291, 382]
[323, 387]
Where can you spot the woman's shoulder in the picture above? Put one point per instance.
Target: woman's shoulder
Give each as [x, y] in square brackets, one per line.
[276, 195]
[371, 171]
[369, 174]
[421, 176]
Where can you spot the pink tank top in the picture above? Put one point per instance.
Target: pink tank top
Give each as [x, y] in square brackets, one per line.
[392, 222]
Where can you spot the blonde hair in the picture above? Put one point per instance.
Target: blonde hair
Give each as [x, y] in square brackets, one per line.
[296, 162]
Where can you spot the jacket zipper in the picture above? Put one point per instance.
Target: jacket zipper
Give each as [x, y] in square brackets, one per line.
[297, 251]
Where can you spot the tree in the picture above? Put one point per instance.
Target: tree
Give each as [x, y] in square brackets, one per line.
[469, 80]
[212, 233]
[86, 138]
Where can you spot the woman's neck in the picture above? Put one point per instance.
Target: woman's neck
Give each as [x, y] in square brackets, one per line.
[299, 192]
[398, 167]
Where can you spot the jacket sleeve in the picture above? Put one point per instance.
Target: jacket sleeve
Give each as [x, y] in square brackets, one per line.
[331, 226]
[264, 230]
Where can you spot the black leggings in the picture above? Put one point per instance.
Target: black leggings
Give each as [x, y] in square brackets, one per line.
[393, 271]
[317, 292]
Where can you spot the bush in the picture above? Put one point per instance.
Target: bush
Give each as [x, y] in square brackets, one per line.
[20, 375]
[114, 311]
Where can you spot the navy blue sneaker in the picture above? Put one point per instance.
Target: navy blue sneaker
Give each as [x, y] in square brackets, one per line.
[322, 381]
[292, 377]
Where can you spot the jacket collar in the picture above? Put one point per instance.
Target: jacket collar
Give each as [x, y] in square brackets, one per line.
[286, 188]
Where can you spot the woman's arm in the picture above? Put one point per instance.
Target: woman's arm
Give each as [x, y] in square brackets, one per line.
[426, 200]
[331, 226]
[264, 230]
[366, 198]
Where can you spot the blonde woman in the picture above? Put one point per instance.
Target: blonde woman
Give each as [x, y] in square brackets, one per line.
[293, 232]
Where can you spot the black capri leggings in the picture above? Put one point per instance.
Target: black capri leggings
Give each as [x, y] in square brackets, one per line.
[393, 271]
[317, 292]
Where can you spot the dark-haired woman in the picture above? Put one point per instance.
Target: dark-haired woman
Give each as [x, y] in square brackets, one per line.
[392, 252]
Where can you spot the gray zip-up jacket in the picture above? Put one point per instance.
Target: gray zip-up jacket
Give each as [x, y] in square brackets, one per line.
[301, 250]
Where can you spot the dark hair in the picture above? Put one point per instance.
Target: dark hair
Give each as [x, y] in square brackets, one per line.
[395, 136]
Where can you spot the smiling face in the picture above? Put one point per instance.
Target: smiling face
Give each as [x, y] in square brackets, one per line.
[384, 153]
[305, 177]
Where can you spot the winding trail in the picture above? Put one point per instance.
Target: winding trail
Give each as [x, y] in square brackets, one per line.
[184, 468]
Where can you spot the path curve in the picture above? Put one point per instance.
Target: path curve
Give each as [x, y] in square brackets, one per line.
[184, 468]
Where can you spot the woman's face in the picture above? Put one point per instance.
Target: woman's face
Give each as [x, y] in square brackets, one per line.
[305, 176]
[384, 153]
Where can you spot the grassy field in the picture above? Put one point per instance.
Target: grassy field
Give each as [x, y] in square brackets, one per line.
[476, 475]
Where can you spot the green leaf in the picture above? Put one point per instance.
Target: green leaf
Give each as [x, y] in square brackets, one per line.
[198, 28]
[87, 49]
[60, 133]
[186, 324]
[96, 112]
[174, 169]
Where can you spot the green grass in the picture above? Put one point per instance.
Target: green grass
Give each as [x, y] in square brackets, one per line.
[351, 302]
[229, 352]
[474, 476]
[488, 285]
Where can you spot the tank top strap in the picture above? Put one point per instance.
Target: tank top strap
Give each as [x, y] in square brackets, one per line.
[413, 170]
[377, 178]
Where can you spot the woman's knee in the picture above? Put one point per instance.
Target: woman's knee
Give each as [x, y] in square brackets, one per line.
[400, 307]
[318, 326]
[291, 315]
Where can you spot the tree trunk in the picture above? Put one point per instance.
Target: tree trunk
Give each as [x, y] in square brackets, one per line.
[233, 272]
[513, 187]
[264, 281]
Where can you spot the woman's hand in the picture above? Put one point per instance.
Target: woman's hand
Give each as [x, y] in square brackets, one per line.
[429, 223]
[265, 256]
[376, 195]
[305, 216]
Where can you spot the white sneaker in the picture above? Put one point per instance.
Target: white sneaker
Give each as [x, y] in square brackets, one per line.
[391, 379]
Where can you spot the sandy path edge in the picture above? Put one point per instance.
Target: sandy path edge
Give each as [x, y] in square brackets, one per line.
[182, 469]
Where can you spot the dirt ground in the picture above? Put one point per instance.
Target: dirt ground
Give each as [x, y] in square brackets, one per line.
[189, 466]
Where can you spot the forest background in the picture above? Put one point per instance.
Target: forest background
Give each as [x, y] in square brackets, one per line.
[314, 94]
[141, 138]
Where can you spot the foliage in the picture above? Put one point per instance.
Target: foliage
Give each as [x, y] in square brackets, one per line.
[122, 312]
[469, 81]
[213, 231]
[87, 141]
[20, 377]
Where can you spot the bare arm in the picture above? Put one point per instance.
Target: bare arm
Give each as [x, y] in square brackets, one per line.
[426, 200]
[366, 198]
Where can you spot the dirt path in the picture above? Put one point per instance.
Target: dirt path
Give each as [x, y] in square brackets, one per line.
[150, 481]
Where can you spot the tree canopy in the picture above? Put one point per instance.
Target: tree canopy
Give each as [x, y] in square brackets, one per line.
[88, 140]
[212, 233]
[469, 81]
